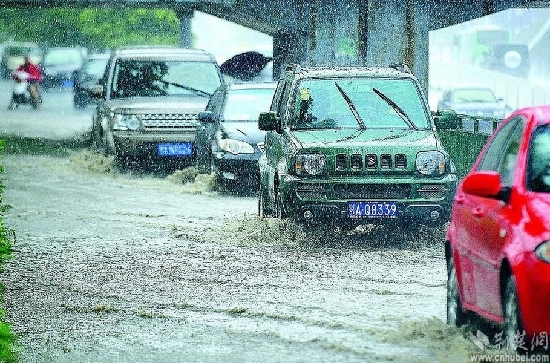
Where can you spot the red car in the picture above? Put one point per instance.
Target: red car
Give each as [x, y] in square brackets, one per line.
[498, 241]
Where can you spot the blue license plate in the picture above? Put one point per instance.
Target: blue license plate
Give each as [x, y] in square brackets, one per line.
[175, 149]
[372, 210]
[67, 83]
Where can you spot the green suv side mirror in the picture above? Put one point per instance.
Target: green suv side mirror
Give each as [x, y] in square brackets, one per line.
[268, 121]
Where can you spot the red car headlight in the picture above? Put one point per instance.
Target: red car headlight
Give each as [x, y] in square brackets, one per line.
[543, 251]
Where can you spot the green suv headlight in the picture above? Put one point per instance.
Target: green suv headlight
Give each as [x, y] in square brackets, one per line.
[126, 122]
[310, 164]
[430, 163]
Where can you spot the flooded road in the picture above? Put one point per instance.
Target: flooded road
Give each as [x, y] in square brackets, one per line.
[116, 265]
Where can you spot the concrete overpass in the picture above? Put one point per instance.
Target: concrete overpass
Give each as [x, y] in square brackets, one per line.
[327, 32]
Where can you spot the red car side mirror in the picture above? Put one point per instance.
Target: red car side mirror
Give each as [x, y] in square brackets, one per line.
[483, 184]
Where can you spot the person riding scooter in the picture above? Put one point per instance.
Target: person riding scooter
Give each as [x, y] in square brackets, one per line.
[27, 77]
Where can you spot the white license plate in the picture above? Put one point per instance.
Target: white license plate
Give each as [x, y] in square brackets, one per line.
[372, 210]
[175, 149]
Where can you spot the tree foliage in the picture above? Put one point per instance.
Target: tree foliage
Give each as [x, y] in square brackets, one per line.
[95, 28]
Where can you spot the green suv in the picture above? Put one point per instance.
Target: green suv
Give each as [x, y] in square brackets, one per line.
[351, 146]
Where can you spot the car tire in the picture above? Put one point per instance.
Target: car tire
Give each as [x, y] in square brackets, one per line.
[512, 319]
[204, 163]
[456, 316]
[96, 140]
[263, 211]
[279, 206]
[95, 134]
[79, 103]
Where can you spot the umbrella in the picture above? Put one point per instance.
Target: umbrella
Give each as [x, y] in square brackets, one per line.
[245, 66]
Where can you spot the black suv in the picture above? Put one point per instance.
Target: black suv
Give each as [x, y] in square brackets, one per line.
[148, 102]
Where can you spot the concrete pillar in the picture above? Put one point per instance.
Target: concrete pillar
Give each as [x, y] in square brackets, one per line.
[396, 31]
[369, 33]
[333, 36]
[329, 38]
[185, 15]
[359, 32]
[288, 48]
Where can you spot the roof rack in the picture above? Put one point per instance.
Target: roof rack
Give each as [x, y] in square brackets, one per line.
[402, 67]
[295, 67]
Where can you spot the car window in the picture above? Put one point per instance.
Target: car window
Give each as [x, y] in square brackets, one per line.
[60, 56]
[95, 67]
[322, 103]
[17, 51]
[246, 104]
[474, 95]
[150, 78]
[538, 169]
[501, 155]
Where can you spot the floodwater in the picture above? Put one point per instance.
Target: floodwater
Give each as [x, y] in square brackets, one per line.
[114, 265]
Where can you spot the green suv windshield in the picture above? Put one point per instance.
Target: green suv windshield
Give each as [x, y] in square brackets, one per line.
[155, 78]
[359, 103]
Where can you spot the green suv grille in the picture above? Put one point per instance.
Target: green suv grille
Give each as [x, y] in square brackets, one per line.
[372, 191]
[356, 162]
[354, 191]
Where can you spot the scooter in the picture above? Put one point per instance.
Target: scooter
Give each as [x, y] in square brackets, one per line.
[24, 93]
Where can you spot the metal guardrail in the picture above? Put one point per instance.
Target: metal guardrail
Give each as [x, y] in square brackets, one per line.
[457, 121]
[478, 124]
[463, 136]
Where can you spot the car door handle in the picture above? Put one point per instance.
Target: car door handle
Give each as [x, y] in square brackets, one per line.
[478, 211]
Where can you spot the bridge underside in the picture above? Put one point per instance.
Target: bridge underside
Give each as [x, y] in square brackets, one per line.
[355, 32]
[328, 32]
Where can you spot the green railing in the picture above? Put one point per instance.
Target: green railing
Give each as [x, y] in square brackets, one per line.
[463, 136]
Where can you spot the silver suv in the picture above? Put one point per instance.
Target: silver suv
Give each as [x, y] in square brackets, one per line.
[148, 102]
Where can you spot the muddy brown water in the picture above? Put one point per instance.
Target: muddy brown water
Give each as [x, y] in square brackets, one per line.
[111, 266]
[114, 265]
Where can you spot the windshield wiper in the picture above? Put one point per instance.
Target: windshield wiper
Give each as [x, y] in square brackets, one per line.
[397, 109]
[352, 136]
[195, 90]
[352, 107]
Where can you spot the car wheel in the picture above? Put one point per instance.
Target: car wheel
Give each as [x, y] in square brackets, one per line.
[204, 160]
[122, 160]
[279, 206]
[512, 319]
[96, 137]
[79, 103]
[455, 313]
[263, 211]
